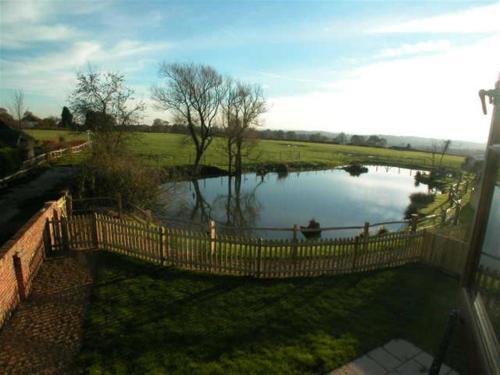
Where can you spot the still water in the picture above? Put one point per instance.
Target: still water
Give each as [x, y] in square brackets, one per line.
[332, 197]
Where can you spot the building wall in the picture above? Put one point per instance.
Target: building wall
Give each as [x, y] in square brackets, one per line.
[28, 245]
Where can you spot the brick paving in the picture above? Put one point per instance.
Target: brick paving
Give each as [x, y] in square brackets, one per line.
[395, 357]
[44, 333]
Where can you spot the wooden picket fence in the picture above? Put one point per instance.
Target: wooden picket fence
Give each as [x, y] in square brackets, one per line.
[443, 252]
[233, 255]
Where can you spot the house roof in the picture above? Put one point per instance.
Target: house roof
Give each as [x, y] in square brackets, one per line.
[9, 137]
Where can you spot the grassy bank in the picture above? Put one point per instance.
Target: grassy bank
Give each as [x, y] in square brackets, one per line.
[145, 319]
[167, 150]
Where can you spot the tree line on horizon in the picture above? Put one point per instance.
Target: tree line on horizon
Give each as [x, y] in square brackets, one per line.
[66, 121]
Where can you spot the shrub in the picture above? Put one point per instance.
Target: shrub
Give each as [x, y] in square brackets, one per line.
[282, 168]
[421, 198]
[382, 231]
[355, 169]
[411, 210]
[417, 202]
[107, 175]
[11, 160]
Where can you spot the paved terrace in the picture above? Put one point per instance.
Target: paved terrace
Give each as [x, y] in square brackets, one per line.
[44, 333]
[395, 357]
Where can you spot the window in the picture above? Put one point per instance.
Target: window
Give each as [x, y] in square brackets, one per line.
[481, 279]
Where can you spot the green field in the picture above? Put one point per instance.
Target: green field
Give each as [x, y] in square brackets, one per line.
[148, 319]
[166, 150]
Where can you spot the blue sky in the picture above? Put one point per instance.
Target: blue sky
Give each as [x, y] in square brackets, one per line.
[386, 67]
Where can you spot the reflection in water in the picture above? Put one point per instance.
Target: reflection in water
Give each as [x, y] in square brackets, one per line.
[241, 209]
[332, 197]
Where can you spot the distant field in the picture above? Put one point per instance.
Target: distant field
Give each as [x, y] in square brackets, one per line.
[165, 149]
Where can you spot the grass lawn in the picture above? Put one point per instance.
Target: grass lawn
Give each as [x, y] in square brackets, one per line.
[174, 149]
[147, 319]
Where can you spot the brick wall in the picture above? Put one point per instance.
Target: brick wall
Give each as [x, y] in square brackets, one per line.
[28, 245]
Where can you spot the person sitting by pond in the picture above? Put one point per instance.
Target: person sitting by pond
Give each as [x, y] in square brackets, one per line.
[313, 229]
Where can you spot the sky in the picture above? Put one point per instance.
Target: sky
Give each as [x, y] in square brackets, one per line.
[364, 67]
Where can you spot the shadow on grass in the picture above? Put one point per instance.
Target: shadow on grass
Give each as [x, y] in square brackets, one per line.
[144, 318]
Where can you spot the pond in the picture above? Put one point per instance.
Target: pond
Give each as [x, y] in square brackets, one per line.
[332, 197]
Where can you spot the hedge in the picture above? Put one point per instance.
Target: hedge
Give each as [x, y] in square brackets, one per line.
[11, 160]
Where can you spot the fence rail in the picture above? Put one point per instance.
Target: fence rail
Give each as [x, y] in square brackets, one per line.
[29, 164]
[208, 251]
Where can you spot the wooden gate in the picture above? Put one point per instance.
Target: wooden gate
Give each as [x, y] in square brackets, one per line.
[78, 233]
[445, 253]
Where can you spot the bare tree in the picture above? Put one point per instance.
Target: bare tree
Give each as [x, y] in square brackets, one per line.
[18, 107]
[230, 122]
[242, 107]
[103, 102]
[193, 93]
[107, 106]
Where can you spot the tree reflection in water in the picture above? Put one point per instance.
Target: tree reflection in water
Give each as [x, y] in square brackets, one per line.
[237, 208]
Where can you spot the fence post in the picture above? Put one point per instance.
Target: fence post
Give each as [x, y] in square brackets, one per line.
[18, 269]
[47, 241]
[161, 233]
[458, 208]
[119, 203]
[69, 204]
[166, 239]
[65, 233]
[450, 195]
[294, 245]
[356, 244]
[443, 216]
[413, 222]
[259, 258]
[213, 236]
[95, 237]
[366, 235]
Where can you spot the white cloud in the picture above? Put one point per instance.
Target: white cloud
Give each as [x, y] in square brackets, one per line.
[77, 56]
[53, 76]
[27, 22]
[430, 95]
[417, 48]
[18, 12]
[28, 34]
[481, 19]
[24, 23]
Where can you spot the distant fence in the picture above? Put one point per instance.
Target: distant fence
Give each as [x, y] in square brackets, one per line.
[43, 158]
[208, 251]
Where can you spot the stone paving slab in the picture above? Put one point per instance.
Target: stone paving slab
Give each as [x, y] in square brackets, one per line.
[44, 333]
[402, 349]
[387, 360]
[366, 365]
[395, 357]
